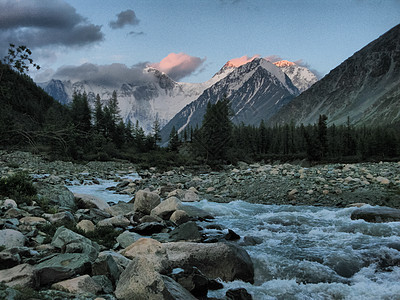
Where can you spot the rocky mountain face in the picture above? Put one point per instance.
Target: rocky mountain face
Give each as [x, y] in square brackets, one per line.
[256, 90]
[162, 98]
[365, 88]
[159, 97]
[300, 76]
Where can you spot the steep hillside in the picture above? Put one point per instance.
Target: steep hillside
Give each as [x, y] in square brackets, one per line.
[364, 88]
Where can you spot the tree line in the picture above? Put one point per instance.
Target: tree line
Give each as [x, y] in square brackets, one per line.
[32, 120]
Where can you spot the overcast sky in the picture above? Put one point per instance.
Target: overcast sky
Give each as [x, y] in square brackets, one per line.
[188, 39]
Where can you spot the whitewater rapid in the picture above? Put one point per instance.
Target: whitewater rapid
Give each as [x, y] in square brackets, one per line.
[302, 252]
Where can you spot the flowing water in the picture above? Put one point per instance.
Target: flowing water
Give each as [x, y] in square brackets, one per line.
[304, 252]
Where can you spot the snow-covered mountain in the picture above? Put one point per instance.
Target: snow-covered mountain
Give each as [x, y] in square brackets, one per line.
[256, 90]
[160, 97]
[300, 76]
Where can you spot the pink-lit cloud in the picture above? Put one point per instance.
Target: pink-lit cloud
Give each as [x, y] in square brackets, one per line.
[237, 62]
[178, 65]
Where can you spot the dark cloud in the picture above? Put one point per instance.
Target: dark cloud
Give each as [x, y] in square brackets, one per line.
[179, 65]
[40, 23]
[106, 75]
[127, 17]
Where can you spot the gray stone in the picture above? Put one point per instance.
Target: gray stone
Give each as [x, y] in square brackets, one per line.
[105, 283]
[217, 260]
[105, 265]
[376, 214]
[8, 259]
[74, 243]
[10, 238]
[166, 208]
[86, 225]
[79, 285]
[117, 221]
[22, 275]
[56, 194]
[90, 201]
[121, 260]
[149, 228]
[58, 267]
[141, 281]
[59, 218]
[121, 208]
[145, 201]
[186, 232]
[179, 217]
[127, 238]
[196, 212]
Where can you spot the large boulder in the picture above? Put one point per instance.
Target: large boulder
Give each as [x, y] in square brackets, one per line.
[121, 208]
[150, 249]
[79, 285]
[376, 214]
[58, 195]
[90, 201]
[127, 238]
[145, 201]
[179, 217]
[217, 260]
[10, 238]
[71, 242]
[141, 281]
[22, 275]
[166, 208]
[106, 265]
[186, 232]
[58, 267]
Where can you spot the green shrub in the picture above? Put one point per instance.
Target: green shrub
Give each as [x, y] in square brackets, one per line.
[18, 187]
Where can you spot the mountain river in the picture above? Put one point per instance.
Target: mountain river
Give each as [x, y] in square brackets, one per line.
[303, 252]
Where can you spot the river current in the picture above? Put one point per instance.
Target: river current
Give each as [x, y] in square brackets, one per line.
[303, 252]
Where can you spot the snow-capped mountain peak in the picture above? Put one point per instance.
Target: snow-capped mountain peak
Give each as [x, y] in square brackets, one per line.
[300, 76]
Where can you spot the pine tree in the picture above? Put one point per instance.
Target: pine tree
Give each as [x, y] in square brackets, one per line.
[174, 142]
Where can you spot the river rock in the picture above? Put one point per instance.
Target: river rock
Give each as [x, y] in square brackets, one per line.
[78, 285]
[145, 201]
[90, 201]
[106, 265]
[186, 232]
[72, 242]
[56, 194]
[58, 267]
[377, 214]
[166, 208]
[121, 208]
[8, 203]
[10, 238]
[8, 259]
[121, 260]
[152, 250]
[190, 196]
[59, 218]
[179, 217]
[217, 260]
[196, 212]
[117, 221]
[32, 221]
[149, 228]
[86, 225]
[140, 281]
[238, 294]
[22, 275]
[192, 280]
[127, 238]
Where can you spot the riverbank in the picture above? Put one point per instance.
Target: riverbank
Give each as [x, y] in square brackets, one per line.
[337, 185]
[64, 244]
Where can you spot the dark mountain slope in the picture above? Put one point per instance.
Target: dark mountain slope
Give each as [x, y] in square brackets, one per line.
[365, 88]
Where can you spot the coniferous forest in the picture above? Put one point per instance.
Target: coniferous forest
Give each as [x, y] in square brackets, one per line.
[32, 120]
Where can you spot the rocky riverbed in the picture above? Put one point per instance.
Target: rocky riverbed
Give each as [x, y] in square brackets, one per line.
[155, 245]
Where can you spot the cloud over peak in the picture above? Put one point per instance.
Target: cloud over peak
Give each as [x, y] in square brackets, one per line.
[126, 17]
[178, 65]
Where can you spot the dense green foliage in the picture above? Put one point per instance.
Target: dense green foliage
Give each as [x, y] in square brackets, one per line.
[18, 187]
